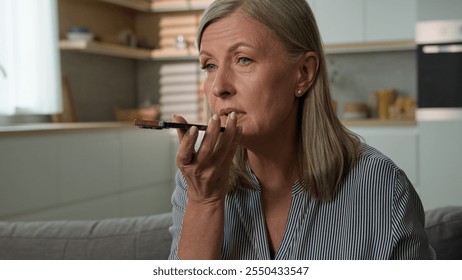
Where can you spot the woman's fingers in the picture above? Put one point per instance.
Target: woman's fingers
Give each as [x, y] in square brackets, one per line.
[227, 136]
[210, 138]
[186, 151]
[187, 140]
[215, 145]
[180, 131]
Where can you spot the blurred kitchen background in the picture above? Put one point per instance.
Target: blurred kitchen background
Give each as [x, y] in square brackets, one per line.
[75, 73]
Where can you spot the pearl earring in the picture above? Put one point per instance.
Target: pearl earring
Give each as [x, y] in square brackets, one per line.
[299, 93]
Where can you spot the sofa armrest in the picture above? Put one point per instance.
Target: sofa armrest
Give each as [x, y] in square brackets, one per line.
[444, 231]
[120, 238]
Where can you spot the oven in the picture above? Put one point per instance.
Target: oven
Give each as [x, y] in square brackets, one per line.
[439, 64]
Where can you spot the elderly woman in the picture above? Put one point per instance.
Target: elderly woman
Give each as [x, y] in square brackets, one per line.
[285, 180]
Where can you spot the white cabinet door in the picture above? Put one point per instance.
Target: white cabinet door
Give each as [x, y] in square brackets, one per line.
[438, 10]
[340, 21]
[441, 163]
[400, 144]
[390, 20]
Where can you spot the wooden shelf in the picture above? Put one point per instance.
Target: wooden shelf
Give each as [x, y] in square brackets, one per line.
[139, 5]
[370, 47]
[105, 49]
[127, 52]
[162, 7]
[378, 122]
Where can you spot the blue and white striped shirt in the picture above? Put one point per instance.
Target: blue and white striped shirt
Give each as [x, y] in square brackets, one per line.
[376, 214]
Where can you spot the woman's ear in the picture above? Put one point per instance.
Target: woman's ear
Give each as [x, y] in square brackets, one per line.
[307, 69]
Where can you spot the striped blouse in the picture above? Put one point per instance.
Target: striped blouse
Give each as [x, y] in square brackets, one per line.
[376, 214]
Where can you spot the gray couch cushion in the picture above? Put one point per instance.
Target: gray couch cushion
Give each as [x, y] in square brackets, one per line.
[122, 238]
[444, 231]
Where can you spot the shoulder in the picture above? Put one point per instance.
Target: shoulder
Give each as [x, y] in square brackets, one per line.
[371, 162]
[370, 155]
[374, 174]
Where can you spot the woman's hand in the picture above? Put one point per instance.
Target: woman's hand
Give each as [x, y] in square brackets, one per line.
[207, 170]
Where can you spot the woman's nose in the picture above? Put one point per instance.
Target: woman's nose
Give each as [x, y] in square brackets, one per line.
[223, 84]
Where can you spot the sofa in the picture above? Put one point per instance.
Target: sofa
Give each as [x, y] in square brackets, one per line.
[149, 238]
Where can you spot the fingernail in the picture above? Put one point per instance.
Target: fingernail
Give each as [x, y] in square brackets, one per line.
[232, 115]
[193, 130]
[213, 118]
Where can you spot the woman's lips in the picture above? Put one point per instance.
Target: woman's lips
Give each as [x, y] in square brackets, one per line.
[227, 111]
[224, 113]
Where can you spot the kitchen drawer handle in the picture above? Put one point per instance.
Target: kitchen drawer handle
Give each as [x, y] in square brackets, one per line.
[434, 49]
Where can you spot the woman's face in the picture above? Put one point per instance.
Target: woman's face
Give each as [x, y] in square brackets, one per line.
[249, 72]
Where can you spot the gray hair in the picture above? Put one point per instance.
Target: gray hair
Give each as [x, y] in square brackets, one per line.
[292, 22]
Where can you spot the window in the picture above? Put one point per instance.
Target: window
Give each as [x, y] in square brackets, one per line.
[30, 80]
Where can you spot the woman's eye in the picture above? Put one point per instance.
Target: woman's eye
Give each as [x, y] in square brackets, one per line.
[244, 60]
[209, 67]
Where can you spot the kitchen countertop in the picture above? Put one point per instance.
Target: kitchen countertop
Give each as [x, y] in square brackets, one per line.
[39, 128]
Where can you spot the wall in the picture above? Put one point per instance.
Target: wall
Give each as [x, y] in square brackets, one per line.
[86, 174]
[99, 84]
[148, 86]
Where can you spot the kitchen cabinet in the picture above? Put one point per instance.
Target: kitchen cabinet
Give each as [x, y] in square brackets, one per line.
[440, 155]
[391, 20]
[399, 143]
[429, 152]
[365, 25]
[439, 10]
[340, 21]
